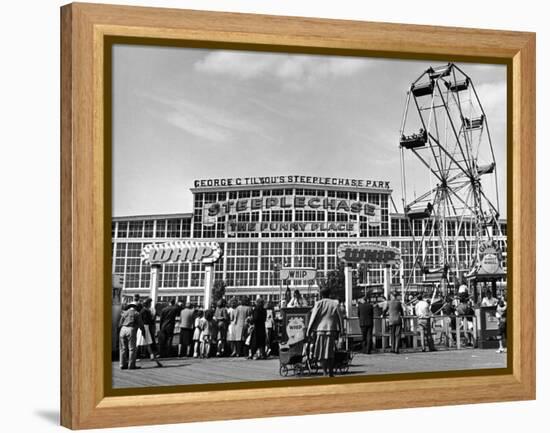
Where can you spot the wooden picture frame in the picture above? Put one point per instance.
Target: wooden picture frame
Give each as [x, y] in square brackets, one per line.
[85, 212]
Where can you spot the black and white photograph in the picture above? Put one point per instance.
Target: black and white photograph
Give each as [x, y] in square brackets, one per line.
[285, 217]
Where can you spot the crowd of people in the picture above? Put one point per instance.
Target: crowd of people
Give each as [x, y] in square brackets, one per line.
[241, 328]
[235, 328]
[417, 314]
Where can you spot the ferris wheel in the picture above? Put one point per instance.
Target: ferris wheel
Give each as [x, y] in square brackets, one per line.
[448, 171]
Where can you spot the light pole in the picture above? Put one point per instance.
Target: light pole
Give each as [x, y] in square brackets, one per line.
[276, 267]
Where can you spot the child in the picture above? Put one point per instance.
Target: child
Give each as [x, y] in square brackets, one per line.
[248, 341]
[197, 333]
[206, 333]
[269, 328]
[213, 334]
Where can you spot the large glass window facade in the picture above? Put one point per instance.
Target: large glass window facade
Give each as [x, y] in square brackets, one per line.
[251, 260]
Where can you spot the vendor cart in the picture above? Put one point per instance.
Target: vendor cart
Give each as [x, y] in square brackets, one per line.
[293, 349]
[296, 351]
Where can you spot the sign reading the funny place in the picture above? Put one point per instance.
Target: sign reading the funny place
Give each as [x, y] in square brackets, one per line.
[298, 274]
[265, 227]
[181, 252]
[369, 254]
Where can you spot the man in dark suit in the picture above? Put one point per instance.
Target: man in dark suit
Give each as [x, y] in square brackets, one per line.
[167, 324]
[365, 311]
[394, 310]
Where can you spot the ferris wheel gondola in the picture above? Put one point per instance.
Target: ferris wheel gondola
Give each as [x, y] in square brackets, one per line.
[447, 153]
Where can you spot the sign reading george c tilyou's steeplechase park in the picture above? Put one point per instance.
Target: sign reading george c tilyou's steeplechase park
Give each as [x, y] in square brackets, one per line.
[217, 209]
[284, 180]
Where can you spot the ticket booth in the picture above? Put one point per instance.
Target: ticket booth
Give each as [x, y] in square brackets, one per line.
[483, 277]
[488, 272]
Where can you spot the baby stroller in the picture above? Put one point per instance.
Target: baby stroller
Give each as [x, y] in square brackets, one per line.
[295, 357]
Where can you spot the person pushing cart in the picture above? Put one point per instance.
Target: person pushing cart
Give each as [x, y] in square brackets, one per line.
[325, 325]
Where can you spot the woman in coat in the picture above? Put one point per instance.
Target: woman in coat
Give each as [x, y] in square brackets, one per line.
[239, 322]
[259, 316]
[325, 323]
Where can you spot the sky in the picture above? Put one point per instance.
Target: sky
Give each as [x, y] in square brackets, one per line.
[181, 114]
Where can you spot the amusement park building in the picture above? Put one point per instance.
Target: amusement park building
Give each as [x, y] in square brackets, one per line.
[264, 223]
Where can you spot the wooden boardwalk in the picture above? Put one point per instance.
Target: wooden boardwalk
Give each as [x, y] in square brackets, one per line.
[186, 371]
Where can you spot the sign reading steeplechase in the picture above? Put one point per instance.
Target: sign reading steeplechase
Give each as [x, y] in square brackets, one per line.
[292, 179]
[282, 203]
[232, 207]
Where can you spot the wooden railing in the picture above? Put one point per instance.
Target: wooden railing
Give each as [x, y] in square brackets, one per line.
[465, 329]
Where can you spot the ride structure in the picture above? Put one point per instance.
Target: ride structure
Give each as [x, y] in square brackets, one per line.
[447, 154]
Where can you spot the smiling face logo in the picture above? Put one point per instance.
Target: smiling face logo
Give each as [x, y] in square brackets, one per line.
[296, 329]
[490, 257]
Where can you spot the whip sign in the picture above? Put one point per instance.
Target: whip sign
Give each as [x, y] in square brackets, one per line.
[298, 274]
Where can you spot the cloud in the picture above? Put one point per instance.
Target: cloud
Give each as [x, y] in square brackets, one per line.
[196, 126]
[493, 97]
[238, 64]
[296, 70]
[203, 121]
[286, 111]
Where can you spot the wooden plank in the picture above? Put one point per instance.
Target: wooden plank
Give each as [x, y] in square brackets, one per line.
[306, 32]
[522, 180]
[68, 394]
[188, 371]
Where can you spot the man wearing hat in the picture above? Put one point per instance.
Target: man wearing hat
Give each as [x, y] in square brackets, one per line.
[130, 322]
[365, 311]
[167, 324]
